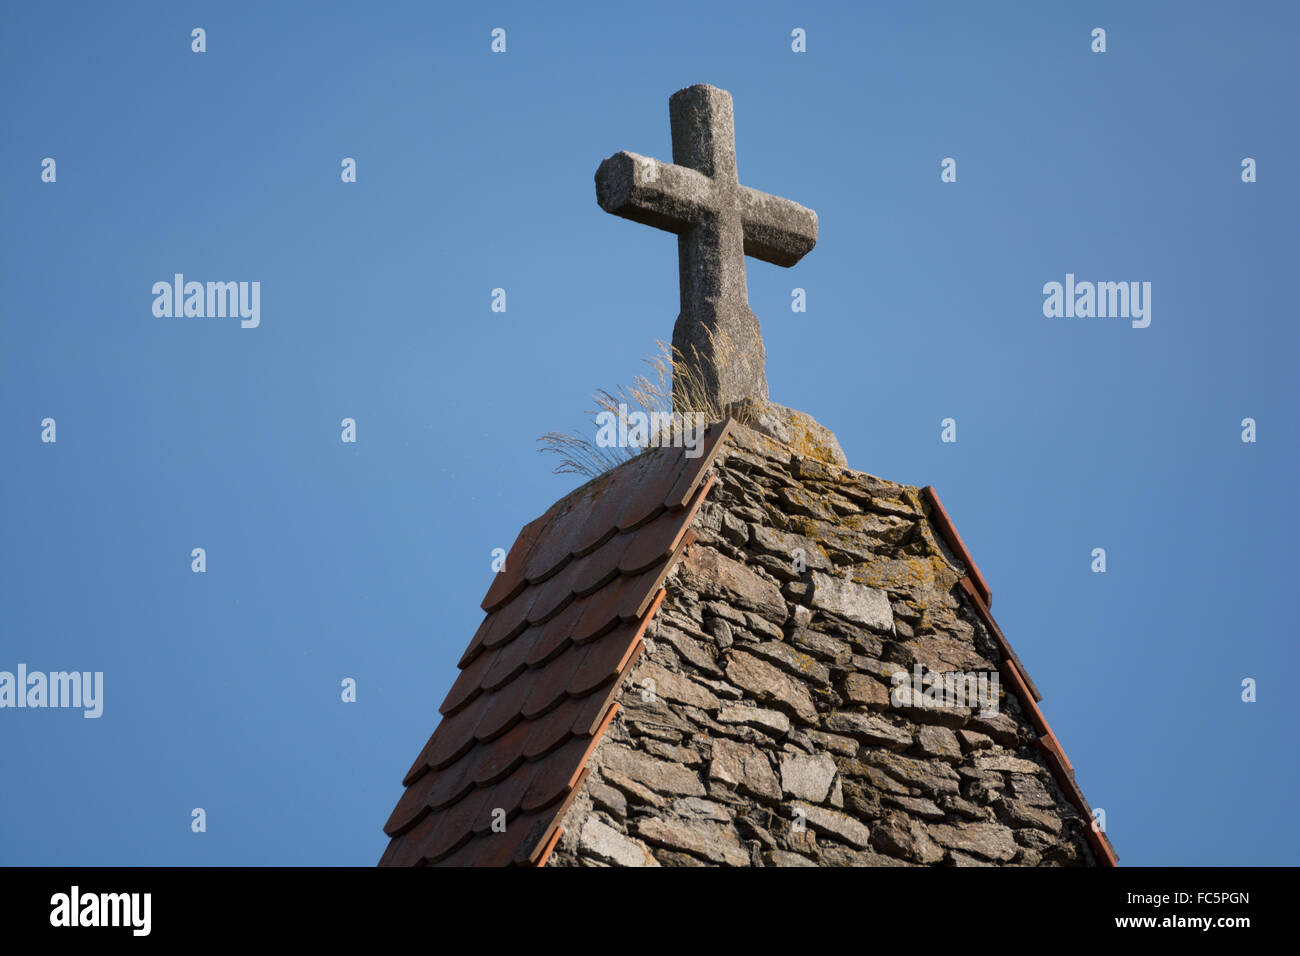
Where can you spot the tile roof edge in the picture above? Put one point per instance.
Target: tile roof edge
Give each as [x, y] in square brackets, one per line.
[685, 540]
[725, 424]
[678, 496]
[982, 609]
[1059, 764]
[549, 848]
[948, 530]
[695, 490]
[1098, 841]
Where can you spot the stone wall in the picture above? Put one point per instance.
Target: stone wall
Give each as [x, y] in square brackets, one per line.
[758, 728]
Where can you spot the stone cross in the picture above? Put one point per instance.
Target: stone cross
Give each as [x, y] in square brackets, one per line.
[718, 222]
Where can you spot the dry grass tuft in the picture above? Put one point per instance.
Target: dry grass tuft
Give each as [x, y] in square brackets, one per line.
[673, 384]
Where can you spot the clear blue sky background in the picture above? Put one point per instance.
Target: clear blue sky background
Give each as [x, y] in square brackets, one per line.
[328, 560]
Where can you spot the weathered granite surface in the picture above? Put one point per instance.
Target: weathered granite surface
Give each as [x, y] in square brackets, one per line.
[758, 727]
[718, 222]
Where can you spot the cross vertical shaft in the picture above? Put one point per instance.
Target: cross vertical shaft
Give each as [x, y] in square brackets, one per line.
[715, 316]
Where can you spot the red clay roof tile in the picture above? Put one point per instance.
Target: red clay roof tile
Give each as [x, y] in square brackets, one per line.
[454, 735]
[554, 594]
[476, 642]
[599, 567]
[510, 619]
[551, 729]
[691, 470]
[553, 637]
[411, 808]
[540, 828]
[603, 506]
[644, 498]
[552, 683]
[505, 706]
[601, 610]
[505, 664]
[468, 685]
[1012, 672]
[554, 548]
[589, 712]
[542, 839]
[510, 580]
[454, 782]
[562, 631]
[635, 601]
[494, 848]
[506, 797]
[556, 775]
[654, 542]
[603, 663]
[536, 691]
[504, 755]
[406, 851]
[455, 828]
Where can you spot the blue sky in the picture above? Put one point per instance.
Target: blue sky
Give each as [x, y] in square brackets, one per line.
[328, 560]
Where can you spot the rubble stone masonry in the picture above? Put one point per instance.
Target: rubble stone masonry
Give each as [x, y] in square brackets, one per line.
[758, 727]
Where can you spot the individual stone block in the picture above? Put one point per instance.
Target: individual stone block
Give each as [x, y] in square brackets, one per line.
[710, 841]
[838, 825]
[768, 685]
[875, 731]
[993, 841]
[772, 721]
[807, 777]
[853, 602]
[605, 843]
[938, 742]
[657, 775]
[744, 767]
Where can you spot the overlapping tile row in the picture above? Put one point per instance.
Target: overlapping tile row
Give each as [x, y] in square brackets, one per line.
[976, 591]
[564, 625]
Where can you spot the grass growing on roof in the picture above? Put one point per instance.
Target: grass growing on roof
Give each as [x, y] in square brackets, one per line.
[674, 383]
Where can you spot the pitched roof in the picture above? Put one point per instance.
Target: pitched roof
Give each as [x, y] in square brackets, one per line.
[564, 622]
[563, 629]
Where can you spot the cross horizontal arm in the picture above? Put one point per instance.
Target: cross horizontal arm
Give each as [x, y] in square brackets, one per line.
[654, 193]
[776, 230]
